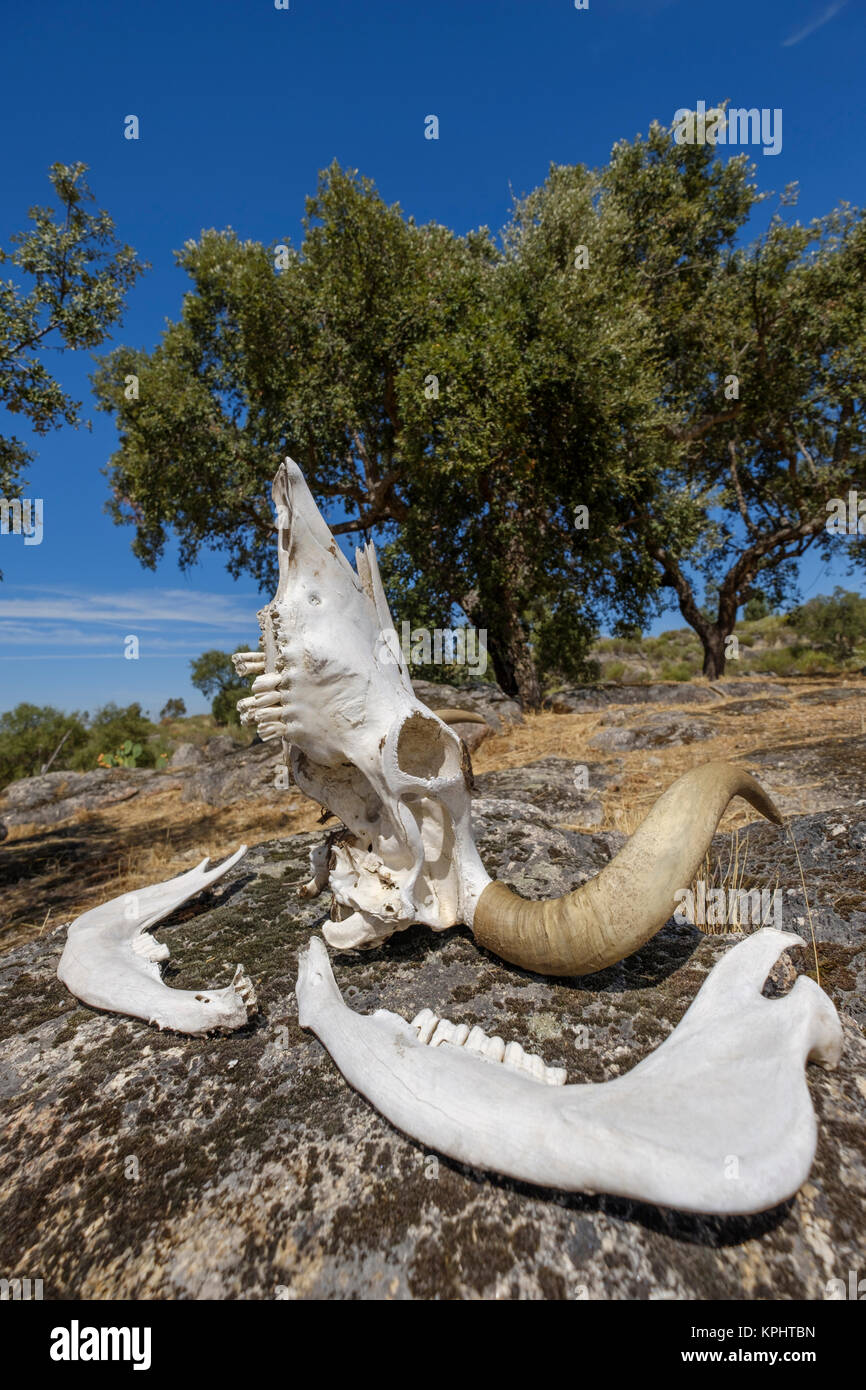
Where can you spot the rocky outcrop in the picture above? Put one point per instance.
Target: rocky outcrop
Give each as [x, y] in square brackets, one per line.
[566, 791]
[654, 731]
[588, 698]
[218, 774]
[482, 697]
[144, 1165]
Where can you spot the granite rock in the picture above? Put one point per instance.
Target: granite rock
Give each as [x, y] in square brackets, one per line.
[141, 1165]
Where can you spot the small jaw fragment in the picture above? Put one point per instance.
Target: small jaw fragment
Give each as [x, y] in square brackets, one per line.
[111, 961]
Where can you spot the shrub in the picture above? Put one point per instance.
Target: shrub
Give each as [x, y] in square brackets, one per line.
[779, 661]
[111, 727]
[127, 755]
[172, 709]
[834, 623]
[678, 671]
[30, 734]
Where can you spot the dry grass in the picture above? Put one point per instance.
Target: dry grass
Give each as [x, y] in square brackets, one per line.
[67, 869]
[643, 774]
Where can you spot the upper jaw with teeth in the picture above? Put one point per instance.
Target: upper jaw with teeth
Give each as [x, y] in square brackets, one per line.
[330, 684]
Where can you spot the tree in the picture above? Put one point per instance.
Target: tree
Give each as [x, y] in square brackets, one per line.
[277, 351]
[172, 709]
[760, 374]
[436, 398]
[80, 276]
[31, 734]
[832, 623]
[215, 676]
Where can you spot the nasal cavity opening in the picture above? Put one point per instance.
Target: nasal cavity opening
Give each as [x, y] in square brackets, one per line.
[425, 749]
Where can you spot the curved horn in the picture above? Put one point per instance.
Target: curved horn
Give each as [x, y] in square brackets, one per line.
[449, 715]
[616, 912]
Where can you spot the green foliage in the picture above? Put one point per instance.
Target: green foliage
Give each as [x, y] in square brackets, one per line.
[679, 670]
[214, 675]
[832, 623]
[112, 737]
[756, 608]
[30, 734]
[80, 275]
[224, 705]
[455, 396]
[109, 729]
[460, 397]
[127, 755]
[172, 709]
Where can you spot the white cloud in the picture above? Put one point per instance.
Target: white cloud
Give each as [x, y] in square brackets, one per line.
[815, 24]
[141, 608]
[168, 622]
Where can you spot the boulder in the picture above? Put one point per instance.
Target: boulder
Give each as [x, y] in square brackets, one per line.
[655, 731]
[482, 697]
[564, 789]
[140, 1165]
[590, 698]
[57, 796]
[186, 755]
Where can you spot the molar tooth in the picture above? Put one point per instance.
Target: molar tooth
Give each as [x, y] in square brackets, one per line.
[248, 663]
[266, 682]
[269, 731]
[534, 1066]
[444, 1033]
[494, 1048]
[555, 1076]
[266, 698]
[476, 1040]
[461, 1033]
[425, 1022]
[514, 1055]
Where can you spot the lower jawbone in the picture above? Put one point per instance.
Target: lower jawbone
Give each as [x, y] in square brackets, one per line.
[717, 1120]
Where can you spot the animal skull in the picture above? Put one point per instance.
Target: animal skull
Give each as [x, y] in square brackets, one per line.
[331, 683]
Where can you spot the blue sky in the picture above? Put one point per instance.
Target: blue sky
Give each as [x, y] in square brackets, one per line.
[240, 105]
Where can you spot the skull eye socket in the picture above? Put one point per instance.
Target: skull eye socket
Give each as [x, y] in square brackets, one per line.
[425, 749]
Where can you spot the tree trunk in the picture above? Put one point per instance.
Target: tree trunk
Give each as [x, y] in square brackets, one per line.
[507, 648]
[515, 670]
[713, 642]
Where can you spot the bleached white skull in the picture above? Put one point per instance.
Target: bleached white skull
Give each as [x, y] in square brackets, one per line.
[331, 683]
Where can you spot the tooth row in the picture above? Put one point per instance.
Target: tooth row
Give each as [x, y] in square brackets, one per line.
[265, 707]
[434, 1031]
[248, 663]
[271, 681]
